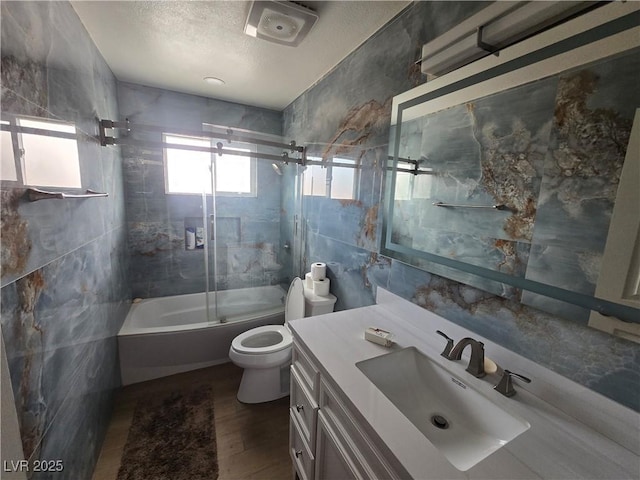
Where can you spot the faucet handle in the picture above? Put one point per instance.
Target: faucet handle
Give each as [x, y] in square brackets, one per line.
[447, 349]
[505, 386]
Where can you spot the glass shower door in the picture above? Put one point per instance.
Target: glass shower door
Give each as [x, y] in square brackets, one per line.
[246, 246]
[182, 264]
[211, 259]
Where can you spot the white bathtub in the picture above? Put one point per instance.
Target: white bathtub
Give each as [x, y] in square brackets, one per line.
[168, 335]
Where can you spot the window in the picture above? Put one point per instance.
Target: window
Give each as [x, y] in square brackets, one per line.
[235, 174]
[189, 172]
[315, 180]
[342, 180]
[44, 159]
[404, 186]
[412, 187]
[330, 181]
[8, 166]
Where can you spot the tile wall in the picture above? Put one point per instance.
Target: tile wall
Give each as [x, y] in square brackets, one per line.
[347, 114]
[66, 281]
[248, 228]
[65, 288]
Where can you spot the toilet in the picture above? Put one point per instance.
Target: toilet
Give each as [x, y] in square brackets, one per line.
[265, 352]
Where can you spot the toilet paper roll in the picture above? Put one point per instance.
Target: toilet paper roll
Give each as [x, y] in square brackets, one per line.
[318, 271]
[321, 287]
[308, 281]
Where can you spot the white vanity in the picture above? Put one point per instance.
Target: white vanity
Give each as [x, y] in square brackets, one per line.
[343, 426]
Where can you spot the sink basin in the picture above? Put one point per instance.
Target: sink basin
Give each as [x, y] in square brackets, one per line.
[462, 423]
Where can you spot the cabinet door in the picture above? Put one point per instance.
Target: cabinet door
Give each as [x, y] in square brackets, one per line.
[367, 458]
[332, 459]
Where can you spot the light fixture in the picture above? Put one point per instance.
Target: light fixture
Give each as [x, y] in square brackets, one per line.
[499, 25]
[214, 80]
[286, 23]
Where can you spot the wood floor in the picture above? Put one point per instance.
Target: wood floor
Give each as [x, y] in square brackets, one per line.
[252, 440]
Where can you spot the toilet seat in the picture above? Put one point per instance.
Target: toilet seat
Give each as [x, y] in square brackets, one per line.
[261, 340]
[273, 338]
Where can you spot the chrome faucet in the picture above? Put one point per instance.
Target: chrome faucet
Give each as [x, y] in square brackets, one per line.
[476, 361]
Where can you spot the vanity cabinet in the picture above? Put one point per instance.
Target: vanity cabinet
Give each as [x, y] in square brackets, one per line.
[344, 426]
[326, 441]
[303, 413]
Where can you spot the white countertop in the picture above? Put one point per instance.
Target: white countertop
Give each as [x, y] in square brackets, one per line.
[585, 443]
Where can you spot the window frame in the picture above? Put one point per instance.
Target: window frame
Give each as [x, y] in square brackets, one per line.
[253, 167]
[17, 159]
[329, 178]
[212, 159]
[19, 154]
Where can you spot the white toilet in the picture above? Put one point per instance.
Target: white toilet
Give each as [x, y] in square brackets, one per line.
[265, 352]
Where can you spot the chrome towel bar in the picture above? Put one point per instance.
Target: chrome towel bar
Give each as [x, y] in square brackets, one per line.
[36, 194]
[496, 207]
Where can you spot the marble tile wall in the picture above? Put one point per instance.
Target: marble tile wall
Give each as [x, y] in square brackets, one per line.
[65, 288]
[347, 113]
[582, 172]
[534, 150]
[248, 228]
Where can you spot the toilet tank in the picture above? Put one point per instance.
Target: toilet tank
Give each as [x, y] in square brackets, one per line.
[317, 305]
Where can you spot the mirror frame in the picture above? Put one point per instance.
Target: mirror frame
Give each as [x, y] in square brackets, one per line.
[607, 31]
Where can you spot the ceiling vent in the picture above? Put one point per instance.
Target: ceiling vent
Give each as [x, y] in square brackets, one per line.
[286, 23]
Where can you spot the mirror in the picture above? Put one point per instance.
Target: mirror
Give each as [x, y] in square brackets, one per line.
[505, 172]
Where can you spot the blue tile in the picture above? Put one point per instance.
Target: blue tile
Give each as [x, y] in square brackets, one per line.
[348, 111]
[65, 284]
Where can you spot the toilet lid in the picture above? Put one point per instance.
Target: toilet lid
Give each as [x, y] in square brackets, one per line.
[261, 340]
[294, 307]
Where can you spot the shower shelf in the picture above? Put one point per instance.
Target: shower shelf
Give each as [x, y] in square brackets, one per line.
[36, 194]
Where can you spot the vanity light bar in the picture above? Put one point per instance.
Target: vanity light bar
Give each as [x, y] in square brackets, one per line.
[499, 25]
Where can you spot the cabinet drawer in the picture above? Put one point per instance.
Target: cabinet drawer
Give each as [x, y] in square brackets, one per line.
[303, 408]
[301, 456]
[370, 461]
[309, 373]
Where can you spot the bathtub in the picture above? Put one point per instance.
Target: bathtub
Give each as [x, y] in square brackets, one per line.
[168, 335]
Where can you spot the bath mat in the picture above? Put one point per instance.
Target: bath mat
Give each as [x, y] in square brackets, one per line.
[172, 437]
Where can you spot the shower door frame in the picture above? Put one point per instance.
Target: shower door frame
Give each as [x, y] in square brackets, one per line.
[118, 133]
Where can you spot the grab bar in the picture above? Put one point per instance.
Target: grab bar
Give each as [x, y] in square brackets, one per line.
[496, 207]
[36, 194]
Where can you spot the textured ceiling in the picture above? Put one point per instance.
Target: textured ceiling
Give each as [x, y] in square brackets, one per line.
[175, 44]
